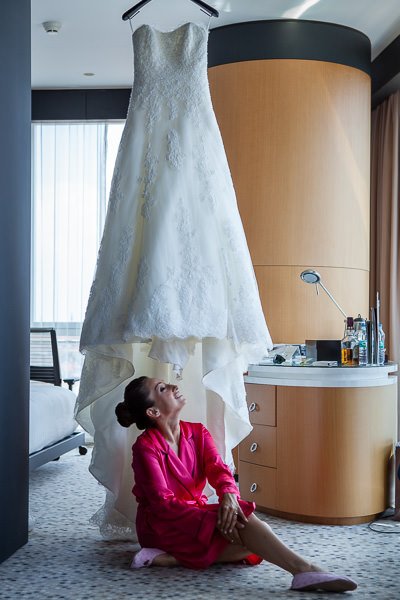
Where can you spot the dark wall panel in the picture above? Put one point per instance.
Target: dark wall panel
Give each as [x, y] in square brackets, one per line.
[15, 107]
[386, 65]
[289, 39]
[386, 73]
[79, 105]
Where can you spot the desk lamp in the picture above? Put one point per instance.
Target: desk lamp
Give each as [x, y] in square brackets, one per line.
[310, 276]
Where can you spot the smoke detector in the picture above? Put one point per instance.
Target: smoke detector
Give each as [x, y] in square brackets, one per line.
[51, 27]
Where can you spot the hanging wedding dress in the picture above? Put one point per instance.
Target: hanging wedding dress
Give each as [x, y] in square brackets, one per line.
[174, 287]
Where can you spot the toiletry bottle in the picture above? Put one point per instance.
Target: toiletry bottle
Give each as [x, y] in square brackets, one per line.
[362, 346]
[349, 344]
[381, 345]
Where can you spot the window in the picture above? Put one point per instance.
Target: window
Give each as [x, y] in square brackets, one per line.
[72, 166]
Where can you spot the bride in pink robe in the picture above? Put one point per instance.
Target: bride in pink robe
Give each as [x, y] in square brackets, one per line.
[172, 461]
[173, 513]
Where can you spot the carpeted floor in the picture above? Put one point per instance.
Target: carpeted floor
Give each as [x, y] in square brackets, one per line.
[66, 558]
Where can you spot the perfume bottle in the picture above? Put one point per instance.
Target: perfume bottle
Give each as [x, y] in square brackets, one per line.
[349, 344]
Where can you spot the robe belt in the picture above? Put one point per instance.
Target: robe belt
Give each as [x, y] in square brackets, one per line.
[202, 501]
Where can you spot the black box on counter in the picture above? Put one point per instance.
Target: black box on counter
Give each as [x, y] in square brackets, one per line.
[324, 350]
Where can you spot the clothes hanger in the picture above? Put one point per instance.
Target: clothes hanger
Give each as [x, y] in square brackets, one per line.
[129, 14]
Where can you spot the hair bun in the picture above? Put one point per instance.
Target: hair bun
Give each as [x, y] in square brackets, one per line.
[124, 415]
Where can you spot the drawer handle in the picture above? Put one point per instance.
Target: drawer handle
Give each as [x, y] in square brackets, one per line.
[253, 447]
[252, 407]
[253, 487]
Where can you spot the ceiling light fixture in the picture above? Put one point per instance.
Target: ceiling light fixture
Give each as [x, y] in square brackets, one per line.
[51, 27]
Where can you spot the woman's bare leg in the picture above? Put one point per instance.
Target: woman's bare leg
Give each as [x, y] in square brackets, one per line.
[165, 560]
[258, 538]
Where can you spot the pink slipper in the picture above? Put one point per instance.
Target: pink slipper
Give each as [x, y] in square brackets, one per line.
[145, 557]
[329, 582]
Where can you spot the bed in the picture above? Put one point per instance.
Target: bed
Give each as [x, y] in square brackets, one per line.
[52, 427]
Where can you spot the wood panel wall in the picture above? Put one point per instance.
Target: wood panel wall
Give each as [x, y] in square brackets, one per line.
[297, 138]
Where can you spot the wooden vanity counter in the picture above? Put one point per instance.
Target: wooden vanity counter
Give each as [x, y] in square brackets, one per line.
[321, 443]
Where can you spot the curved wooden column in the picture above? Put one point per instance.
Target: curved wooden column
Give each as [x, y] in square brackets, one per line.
[297, 136]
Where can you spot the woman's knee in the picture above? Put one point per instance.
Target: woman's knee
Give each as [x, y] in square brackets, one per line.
[254, 523]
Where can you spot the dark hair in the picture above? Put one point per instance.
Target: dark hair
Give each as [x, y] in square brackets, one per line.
[136, 402]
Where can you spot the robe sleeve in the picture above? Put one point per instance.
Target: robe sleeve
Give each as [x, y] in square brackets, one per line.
[218, 474]
[153, 487]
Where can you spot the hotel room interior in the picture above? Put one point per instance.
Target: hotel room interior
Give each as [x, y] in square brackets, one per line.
[307, 98]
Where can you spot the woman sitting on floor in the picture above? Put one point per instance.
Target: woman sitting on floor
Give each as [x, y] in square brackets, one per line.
[175, 525]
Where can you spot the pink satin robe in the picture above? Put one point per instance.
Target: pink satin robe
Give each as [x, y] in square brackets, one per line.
[173, 513]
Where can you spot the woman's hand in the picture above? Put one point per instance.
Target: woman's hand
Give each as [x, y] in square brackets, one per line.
[230, 518]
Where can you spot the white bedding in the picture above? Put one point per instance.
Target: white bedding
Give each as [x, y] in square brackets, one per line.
[51, 414]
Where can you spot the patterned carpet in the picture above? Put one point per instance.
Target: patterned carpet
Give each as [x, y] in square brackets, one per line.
[66, 558]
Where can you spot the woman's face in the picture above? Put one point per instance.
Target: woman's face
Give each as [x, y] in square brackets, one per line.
[166, 397]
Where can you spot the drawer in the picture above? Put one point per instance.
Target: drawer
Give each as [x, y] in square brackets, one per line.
[261, 401]
[257, 484]
[259, 447]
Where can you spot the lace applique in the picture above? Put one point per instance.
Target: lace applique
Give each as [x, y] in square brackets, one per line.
[123, 143]
[116, 194]
[194, 278]
[148, 180]
[247, 320]
[125, 245]
[225, 263]
[186, 288]
[143, 271]
[171, 71]
[231, 236]
[94, 287]
[175, 155]
[106, 296]
[112, 524]
[207, 172]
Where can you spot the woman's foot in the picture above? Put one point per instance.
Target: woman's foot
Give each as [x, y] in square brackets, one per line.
[319, 580]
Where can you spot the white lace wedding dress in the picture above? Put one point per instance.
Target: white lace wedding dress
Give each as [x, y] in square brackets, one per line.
[174, 279]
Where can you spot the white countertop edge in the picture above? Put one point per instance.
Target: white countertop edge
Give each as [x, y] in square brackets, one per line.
[309, 376]
[322, 383]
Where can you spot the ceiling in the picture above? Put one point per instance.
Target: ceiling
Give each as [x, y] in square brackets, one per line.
[94, 39]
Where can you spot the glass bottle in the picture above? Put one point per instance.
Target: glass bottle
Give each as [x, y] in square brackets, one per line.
[381, 345]
[362, 346]
[349, 344]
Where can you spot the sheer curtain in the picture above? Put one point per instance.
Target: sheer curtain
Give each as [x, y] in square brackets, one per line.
[385, 223]
[71, 175]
